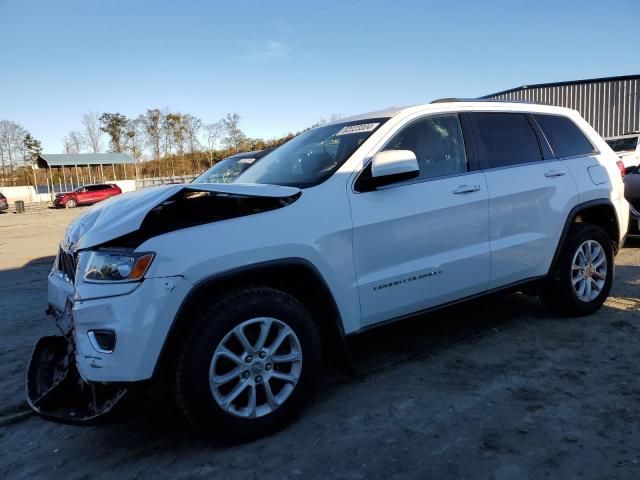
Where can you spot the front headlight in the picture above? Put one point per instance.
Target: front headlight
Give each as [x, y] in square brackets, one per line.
[116, 266]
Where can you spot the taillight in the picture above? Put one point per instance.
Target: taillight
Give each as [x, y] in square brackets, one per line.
[620, 165]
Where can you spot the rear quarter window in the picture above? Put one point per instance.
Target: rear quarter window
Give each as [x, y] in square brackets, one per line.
[564, 136]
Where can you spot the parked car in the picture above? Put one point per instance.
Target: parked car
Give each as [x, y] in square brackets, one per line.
[632, 194]
[228, 169]
[87, 195]
[234, 293]
[627, 147]
[4, 205]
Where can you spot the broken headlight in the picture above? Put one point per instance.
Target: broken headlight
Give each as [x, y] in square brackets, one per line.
[116, 266]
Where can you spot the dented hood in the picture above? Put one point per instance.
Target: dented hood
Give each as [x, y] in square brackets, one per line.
[124, 214]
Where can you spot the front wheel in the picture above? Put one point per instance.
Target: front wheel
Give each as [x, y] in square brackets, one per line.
[583, 275]
[71, 203]
[248, 364]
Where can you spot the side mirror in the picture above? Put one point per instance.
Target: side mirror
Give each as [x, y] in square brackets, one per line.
[391, 166]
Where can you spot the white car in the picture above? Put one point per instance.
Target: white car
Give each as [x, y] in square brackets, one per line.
[234, 293]
[627, 147]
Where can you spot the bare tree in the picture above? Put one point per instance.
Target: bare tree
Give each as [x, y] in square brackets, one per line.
[76, 141]
[93, 134]
[214, 132]
[334, 117]
[174, 131]
[67, 146]
[151, 123]
[234, 136]
[192, 126]
[11, 143]
[133, 136]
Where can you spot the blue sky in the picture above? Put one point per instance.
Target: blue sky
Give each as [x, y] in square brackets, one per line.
[282, 65]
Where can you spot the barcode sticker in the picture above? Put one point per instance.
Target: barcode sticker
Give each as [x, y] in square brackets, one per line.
[363, 127]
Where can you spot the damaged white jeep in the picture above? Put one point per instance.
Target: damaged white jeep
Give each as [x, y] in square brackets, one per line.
[235, 293]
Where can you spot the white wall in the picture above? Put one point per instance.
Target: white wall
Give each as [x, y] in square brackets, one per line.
[25, 193]
[125, 185]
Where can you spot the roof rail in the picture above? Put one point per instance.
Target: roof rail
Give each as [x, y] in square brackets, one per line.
[454, 100]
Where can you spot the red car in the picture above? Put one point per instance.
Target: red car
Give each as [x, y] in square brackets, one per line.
[87, 195]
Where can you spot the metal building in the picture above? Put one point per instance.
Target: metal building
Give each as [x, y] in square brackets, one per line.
[611, 104]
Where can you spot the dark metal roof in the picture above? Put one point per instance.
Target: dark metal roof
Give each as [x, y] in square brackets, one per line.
[46, 160]
[559, 84]
[481, 99]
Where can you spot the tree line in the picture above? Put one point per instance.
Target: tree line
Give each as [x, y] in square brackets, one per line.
[163, 142]
[17, 149]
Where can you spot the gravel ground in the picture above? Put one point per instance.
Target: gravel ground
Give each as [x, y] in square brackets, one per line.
[491, 389]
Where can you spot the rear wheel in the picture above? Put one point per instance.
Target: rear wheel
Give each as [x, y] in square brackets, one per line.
[248, 364]
[582, 278]
[71, 203]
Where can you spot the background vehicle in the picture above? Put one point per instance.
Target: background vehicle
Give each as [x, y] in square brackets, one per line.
[235, 292]
[87, 195]
[4, 205]
[228, 169]
[627, 147]
[632, 194]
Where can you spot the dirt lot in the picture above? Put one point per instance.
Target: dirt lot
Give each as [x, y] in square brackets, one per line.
[491, 389]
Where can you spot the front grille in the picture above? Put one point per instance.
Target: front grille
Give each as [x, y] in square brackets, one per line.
[67, 264]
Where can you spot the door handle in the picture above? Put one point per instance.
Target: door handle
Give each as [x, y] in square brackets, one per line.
[466, 189]
[554, 173]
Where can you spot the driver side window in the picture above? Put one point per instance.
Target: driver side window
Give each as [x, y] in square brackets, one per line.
[438, 144]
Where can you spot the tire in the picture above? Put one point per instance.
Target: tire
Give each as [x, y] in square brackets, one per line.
[560, 296]
[71, 203]
[248, 309]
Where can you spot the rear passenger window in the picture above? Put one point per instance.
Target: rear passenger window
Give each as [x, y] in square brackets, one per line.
[505, 139]
[437, 143]
[565, 138]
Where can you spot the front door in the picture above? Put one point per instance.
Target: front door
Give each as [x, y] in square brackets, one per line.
[424, 242]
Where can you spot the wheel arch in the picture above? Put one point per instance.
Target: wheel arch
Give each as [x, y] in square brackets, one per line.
[600, 212]
[295, 276]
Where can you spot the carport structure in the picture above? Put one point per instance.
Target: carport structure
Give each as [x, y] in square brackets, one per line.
[86, 168]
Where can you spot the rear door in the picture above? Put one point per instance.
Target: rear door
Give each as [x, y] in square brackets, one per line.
[422, 242]
[103, 192]
[530, 195]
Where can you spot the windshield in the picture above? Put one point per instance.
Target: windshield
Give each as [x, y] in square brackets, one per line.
[225, 171]
[623, 144]
[313, 156]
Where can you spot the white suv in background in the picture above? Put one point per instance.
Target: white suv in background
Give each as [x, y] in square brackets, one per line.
[628, 149]
[234, 293]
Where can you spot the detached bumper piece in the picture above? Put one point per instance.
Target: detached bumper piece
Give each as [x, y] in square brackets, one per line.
[56, 391]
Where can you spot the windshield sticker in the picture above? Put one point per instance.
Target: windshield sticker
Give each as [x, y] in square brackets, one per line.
[363, 127]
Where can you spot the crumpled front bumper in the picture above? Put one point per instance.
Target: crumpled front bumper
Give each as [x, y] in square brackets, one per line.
[55, 389]
[69, 379]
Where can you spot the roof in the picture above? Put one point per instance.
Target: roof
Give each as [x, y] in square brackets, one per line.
[46, 160]
[250, 154]
[388, 113]
[559, 84]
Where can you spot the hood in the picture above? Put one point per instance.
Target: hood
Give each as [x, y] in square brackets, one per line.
[175, 206]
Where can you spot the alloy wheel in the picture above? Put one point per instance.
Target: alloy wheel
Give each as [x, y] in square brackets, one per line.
[589, 270]
[255, 368]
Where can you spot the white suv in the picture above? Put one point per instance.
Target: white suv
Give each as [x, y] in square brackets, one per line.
[234, 293]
